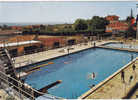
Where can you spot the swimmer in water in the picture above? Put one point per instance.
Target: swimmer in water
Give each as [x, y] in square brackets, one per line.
[91, 76]
[66, 62]
[69, 61]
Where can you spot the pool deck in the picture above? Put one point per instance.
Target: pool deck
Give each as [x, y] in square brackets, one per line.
[4, 95]
[46, 55]
[110, 88]
[114, 88]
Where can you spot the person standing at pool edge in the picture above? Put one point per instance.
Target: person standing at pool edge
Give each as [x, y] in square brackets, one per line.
[94, 44]
[123, 76]
[134, 67]
[68, 50]
[132, 57]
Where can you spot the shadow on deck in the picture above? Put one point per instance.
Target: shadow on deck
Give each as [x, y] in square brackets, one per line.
[131, 92]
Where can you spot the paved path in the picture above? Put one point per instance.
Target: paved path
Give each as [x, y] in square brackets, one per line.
[4, 95]
[115, 88]
[45, 55]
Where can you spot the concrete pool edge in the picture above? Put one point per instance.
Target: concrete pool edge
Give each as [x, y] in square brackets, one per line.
[92, 90]
[120, 49]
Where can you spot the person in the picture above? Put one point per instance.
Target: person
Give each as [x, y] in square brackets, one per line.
[68, 50]
[93, 75]
[94, 44]
[134, 67]
[122, 76]
[66, 62]
[0, 84]
[130, 79]
[131, 57]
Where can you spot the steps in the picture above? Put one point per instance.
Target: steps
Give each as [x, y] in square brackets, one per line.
[7, 63]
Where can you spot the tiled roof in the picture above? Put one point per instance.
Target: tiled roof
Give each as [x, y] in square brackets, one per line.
[112, 17]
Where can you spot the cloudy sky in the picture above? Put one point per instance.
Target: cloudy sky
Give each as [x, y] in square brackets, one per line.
[62, 12]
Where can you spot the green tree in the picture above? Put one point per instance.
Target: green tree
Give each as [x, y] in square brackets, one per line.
[128, 19]
[42, 27]
[6, 27]
[97, 24]
[130, 32]
[80, 24]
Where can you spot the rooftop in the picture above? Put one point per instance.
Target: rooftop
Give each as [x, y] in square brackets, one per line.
[18, 43]
[5, 32]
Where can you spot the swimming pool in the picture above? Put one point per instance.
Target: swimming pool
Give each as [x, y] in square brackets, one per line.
[74, 71]
[121, 45]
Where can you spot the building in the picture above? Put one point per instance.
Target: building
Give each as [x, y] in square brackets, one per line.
[19, 28]
[10, 32]
[20, 45]
[116, 27]
[50, 42]
[112, 18]
[28, 44]
[23, 47]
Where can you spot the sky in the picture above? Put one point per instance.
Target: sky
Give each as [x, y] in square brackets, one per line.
[61, 11]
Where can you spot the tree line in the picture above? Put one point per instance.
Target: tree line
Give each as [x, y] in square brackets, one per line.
[95, 25]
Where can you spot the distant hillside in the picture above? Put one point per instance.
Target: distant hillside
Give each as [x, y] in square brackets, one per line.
[24, 24]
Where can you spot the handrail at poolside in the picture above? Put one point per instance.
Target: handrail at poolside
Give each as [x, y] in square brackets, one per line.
[4, 79]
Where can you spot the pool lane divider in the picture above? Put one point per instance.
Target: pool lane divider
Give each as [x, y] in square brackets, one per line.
[92, 90]
[31, 71]
[37, 68]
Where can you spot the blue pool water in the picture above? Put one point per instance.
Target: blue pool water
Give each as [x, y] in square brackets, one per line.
[120, 45]
[74, 70]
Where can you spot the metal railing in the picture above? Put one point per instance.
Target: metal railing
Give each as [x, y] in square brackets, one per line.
[16, 88]
[22, 90]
